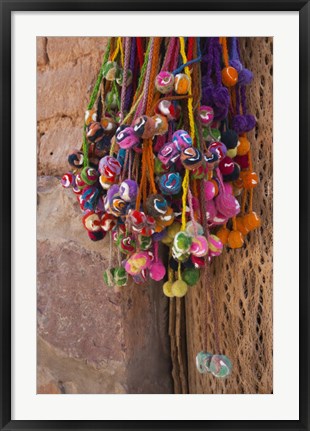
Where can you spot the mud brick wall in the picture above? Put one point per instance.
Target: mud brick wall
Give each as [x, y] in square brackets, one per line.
[90, 339]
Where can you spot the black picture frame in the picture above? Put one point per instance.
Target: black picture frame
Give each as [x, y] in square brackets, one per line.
[7, 7]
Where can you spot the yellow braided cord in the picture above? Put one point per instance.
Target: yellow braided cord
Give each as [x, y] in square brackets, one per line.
[117, 49]
[122, 51]
[185, 183]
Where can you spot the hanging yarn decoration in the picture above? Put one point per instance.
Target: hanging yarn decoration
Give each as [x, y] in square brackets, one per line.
[165, 166]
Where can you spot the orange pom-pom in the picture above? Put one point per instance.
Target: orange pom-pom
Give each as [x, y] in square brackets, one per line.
[249, 179]
[240, 226]
[223, 234]
[243, 146]
[251, 221]
[229, 76]
[235, 239]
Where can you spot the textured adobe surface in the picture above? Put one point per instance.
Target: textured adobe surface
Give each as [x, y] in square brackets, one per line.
[90, 338]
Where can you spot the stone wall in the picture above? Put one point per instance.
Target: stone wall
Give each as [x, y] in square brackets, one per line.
[90, 339]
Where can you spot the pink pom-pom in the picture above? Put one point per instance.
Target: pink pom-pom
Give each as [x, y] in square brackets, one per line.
[157, 271]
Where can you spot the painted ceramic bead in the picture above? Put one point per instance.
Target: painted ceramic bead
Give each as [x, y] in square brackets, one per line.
[108, 221]
[199, 246]
[203, 360]
[168, 109]
[215, 245]
[128, 190]
[90, 196]
[198, 262]
[179, 288]
[200, 173]
[171, 233]
[179, 256]
[140, 278]
[76, 159]
[230, 139]
[137, 262]
[68, 180]
[206, 115]
[89, 175]
[220, 366]
[243, 161]
[191, 276]
[108, 124]
[110, 70]
[156, 205]
[127, 245]
[164, 82]
[108, 277]
[120, 77]
[107, 182]
[212, 160]
[109, 166]
[211, 135]
[170, 183]
[161, 124]
[126, 137]
[96, 236]
[249, 179]
[251, 221]
[145, 242]
[136, 220]
[80, 183]
[243, 146]
[191, 158]
[193, 228]
[157, 271]
[182, 83]
[166, 219]
[182, 242]
[182, 139]
[229, 76]
[226, 166]
[235, 239]
[167, 289]
[218, 148]
[120, 276]
[90, 116]
[91, 222]
[234, 175]
[144, 127]
[168, 154]
[95, 132]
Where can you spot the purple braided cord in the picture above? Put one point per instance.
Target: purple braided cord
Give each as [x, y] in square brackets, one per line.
[131, 67]
[217, 49]
[125, 71]
[169, 52]
[234, 49]
[243, 99]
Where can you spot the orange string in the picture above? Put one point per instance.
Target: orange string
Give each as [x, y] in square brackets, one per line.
[223, 42]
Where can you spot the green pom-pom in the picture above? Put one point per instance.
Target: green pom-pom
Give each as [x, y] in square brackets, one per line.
[120, 276]
[191, 276]
[108, 277]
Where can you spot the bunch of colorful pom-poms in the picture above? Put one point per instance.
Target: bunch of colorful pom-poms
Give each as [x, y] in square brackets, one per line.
[165, 161]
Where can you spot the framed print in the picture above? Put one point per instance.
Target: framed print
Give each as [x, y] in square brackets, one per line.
[152, 273]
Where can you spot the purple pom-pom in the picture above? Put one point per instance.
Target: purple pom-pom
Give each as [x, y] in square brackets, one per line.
[236, 64]
[250, 122]
[221, 97]
[245, 77]
[239, 124]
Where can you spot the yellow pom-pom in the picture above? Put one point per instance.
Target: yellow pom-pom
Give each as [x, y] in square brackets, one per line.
[167, 289]
[179, 288]
[171, 233]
